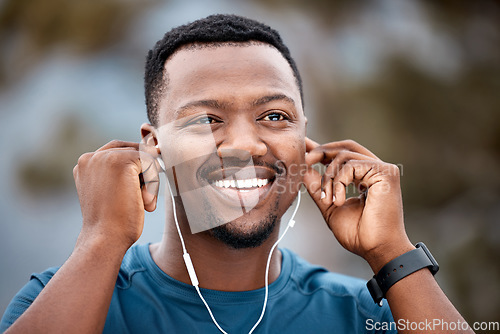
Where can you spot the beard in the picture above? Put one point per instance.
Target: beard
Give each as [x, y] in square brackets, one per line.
[252, 238]
[237, 238]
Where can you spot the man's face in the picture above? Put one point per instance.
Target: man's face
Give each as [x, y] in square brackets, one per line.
[232, 124]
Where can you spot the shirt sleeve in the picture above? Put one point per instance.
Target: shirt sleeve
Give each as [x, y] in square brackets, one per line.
[25, 297]
[377, 320]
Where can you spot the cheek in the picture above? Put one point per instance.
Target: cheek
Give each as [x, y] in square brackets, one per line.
[182, 149]
[291, 151]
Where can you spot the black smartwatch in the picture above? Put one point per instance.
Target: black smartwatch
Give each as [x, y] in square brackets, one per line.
[400, 267]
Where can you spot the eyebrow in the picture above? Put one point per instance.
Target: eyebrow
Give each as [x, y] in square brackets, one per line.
[215, 104]
[270, 98]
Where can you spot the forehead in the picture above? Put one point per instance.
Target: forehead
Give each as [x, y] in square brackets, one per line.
[229, 72]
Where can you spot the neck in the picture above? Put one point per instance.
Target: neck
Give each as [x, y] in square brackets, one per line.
[218, 266]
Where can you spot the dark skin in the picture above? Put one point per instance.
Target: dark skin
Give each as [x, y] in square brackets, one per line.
[244, 122]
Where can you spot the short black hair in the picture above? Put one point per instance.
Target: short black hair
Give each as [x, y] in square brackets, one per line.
[219, 28]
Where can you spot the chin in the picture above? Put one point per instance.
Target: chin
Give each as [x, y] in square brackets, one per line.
[246, 232]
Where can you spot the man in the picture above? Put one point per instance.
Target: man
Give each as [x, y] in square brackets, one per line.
[224, 97]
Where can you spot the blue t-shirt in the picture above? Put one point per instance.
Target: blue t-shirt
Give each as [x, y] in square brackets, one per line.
[304, 299]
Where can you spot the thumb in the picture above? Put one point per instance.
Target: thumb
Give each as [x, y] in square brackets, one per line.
[149, 192]
[150, 185]
[312, 182]
[149, 201]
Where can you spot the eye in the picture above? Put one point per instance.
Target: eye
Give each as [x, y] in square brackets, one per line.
[274, 117]
[204, 120]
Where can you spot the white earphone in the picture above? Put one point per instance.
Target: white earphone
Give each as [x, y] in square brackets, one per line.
[194, 278]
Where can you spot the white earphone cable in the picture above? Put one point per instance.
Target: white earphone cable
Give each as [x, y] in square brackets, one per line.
[194, 278]
[291, 223]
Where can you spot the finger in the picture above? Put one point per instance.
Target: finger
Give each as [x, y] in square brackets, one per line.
[149, 176]
[150, 180]
[339, 192]
[134, 159]
[114, 158]
[353, 171]
[149, 201]
[351, 145]
[76, 177]
[310, 144]
[317, 154]
[327, 152]
[119, 144]
[84, 158]
[312, 182]
[334, 167]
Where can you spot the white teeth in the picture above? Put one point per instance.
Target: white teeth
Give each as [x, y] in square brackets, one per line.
[242, 184]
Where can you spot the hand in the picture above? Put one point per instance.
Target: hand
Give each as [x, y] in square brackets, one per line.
[370, 225]
[111, 197]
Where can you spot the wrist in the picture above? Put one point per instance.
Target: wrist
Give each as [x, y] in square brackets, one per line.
[383, 254]
[101, 243]
[399, 268]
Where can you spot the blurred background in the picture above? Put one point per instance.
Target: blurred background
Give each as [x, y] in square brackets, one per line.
[417, 82]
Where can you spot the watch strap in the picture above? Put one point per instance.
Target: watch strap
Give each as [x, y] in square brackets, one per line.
[399, 268]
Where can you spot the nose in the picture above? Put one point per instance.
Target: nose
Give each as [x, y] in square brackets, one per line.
[241, 141]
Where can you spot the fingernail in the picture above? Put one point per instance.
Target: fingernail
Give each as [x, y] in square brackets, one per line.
[333, 198]
[323, 195]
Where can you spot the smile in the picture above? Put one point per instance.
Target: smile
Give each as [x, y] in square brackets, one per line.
[236, 187]
[242, 192]
[242, 185]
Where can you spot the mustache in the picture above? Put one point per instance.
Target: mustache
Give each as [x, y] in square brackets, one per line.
[236, 163]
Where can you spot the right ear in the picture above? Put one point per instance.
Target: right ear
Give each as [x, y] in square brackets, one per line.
[150, 177]
[149, 136]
